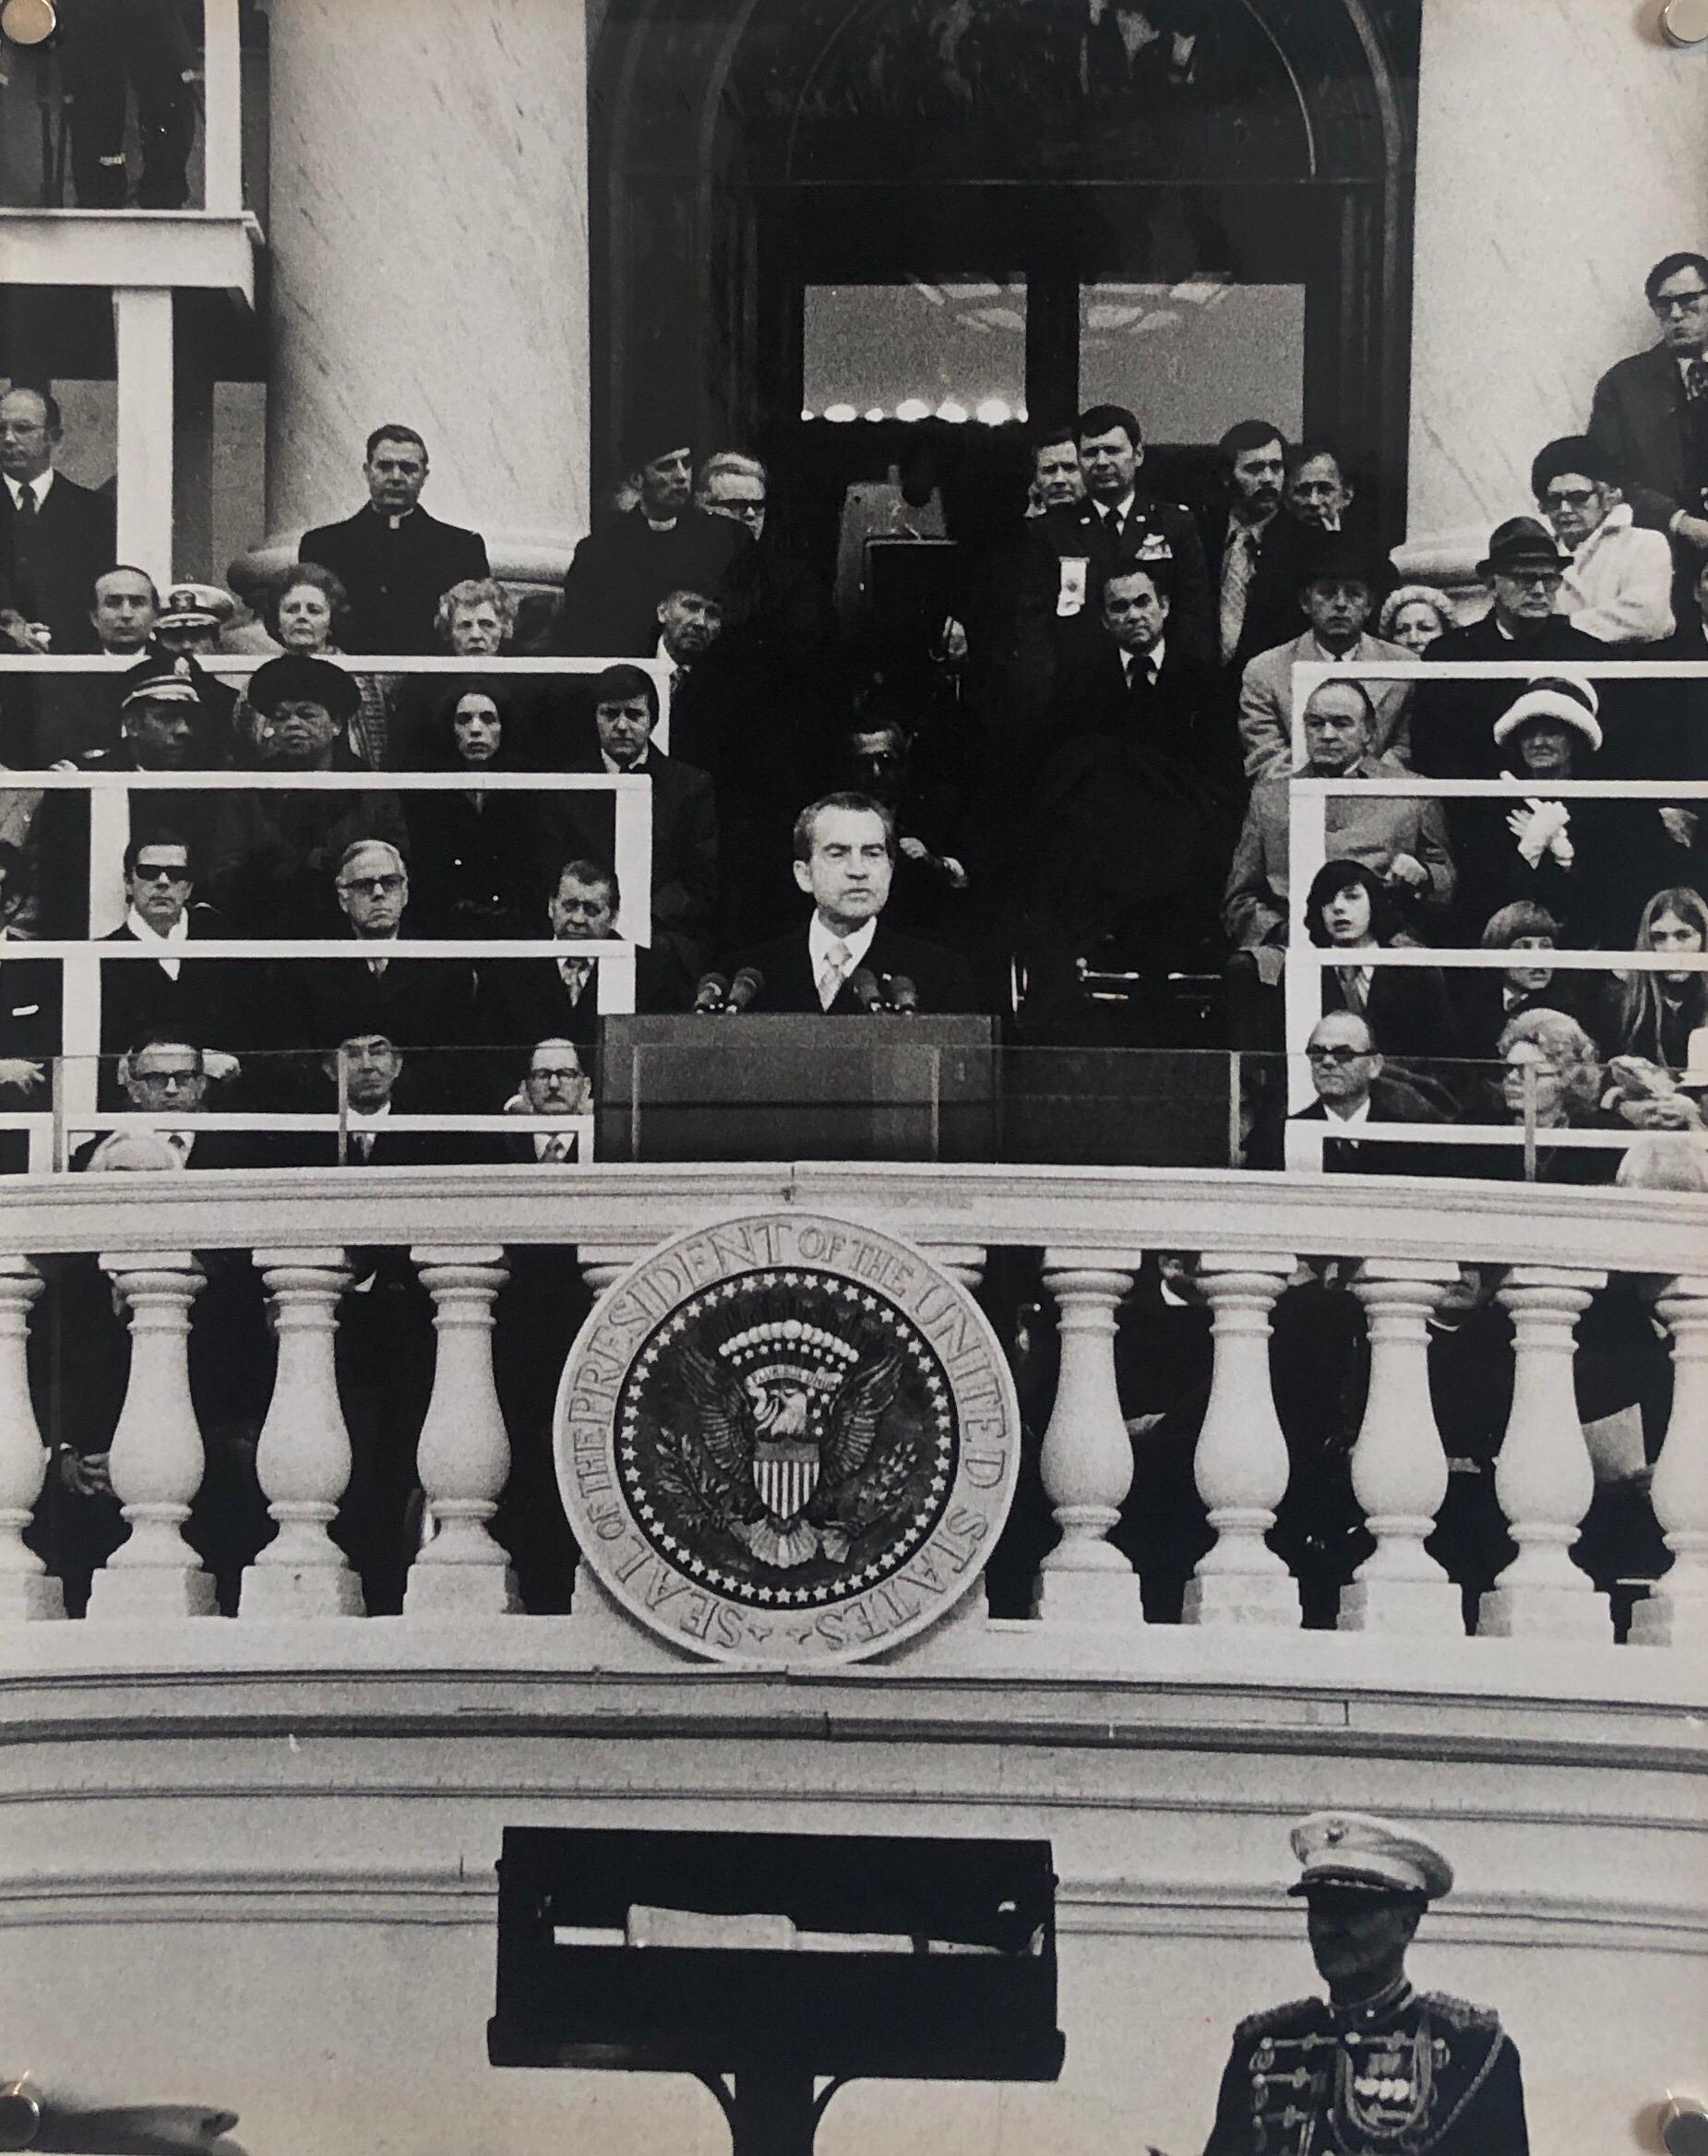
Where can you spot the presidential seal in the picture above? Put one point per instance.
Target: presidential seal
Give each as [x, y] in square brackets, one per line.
[786, 1439]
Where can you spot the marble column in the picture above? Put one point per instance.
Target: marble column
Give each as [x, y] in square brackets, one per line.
[463, 1457]
[1399, 1470]
[303, 1458]
[1509, 339]
[1544, 1479]
[1675, 1612]
[1241, 1463]
[428, 232]
[1087, 1461]
[155, 1460]
[25, 1591]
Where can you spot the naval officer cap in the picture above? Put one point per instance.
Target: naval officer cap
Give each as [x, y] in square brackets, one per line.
[197, 606]
[1352, 1851]
[162, 680]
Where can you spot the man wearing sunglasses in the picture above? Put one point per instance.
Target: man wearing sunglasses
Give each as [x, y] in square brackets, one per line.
[1618, 581]
[197, 999]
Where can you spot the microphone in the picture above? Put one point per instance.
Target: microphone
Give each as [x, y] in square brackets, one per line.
[863, 986]
[749, 983]
[714, 987]
[903, 994]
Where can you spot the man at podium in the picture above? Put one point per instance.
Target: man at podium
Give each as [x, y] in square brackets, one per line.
[844, 961]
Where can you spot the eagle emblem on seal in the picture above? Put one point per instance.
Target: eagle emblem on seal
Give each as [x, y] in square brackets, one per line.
[788, 1430]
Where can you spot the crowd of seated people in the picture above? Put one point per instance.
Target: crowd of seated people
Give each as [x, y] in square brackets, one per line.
[1089, 762]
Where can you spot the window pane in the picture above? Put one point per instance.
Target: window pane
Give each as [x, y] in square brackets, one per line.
[1192, 358]
[874, 349]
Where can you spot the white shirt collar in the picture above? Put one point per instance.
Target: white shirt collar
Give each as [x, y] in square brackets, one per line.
[363, 1119]
[542, 1139]
[178, 932]
[818, 937]
[1329, 658]
[1122, 508]
[1151, 660]
[1361, 1114]
[628, 771]
[41, 485]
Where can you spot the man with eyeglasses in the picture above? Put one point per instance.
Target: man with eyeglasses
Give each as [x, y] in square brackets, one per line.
[55, 536]
[788, 605]
[417, 1004]
[1453, 723]
[1618, 583]
[1650, 415]
[1352, 1088]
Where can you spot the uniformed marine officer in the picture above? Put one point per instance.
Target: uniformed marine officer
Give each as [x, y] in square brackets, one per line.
[1376, 2069]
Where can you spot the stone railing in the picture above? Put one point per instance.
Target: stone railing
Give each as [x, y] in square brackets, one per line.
[1557, 1248]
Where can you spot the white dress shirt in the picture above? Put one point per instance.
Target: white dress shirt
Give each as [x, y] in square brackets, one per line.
[1361, 1114]
[178, 933]
[1148, 663]
[821, 936]
[40, 487]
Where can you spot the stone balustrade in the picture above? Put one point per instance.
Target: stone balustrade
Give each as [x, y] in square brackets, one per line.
[1090, 1231]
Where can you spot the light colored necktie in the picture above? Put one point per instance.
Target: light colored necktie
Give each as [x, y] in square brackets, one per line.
[365, 1144]
[1238, 566]
[378, 965]
[833, 971]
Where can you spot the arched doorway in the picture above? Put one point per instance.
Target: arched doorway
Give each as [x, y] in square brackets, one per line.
[1201, 206]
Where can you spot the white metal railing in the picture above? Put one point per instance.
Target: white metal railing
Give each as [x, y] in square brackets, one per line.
[1554, 1252]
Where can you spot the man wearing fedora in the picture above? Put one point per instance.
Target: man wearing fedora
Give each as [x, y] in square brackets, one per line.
[1452, 722]
[1378, 2065]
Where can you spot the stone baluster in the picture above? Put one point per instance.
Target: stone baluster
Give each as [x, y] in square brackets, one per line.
[155, 1460]
[1399, 1470]
[303, 1458]
[963, 1262]
[1675, 1612]
[1241, 1462]
[1087, 1462]
[1544, 1479]
[463, 1457]
[25, 1591]
[603, 1266]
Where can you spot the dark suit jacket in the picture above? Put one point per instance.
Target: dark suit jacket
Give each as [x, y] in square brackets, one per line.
[1156, 530]
[943, 977]
[1408, 1012]
[416, 1003]
[1273, 614]
[212, 1149]
[685, 843]
[216, 1003]
[1452, 722]
[48, 575]
[395, 1145]
[622, 570]
[395, 578]
[1185, 716]
[1639, 419]
[1391, 1101]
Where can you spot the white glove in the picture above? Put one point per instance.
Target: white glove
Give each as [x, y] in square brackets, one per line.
[1541, 827]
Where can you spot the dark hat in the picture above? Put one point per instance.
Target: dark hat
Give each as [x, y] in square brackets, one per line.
[654, 432]
[1564, 697]
[1349, 1850]
[1521, 542]
[1337, 556]
[160, 678]
[296, 678]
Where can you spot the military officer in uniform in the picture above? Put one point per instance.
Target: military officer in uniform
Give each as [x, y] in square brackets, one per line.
[1072, 552]
[1376, 2069]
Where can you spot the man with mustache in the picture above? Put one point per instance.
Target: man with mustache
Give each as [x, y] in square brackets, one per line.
[1253, 550]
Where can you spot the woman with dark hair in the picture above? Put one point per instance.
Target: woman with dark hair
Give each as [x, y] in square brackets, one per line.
[305, 611]
[474, 852]
[1659, 1012]
[1348, 909]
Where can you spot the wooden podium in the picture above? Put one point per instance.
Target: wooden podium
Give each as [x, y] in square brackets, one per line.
[759, 1086]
